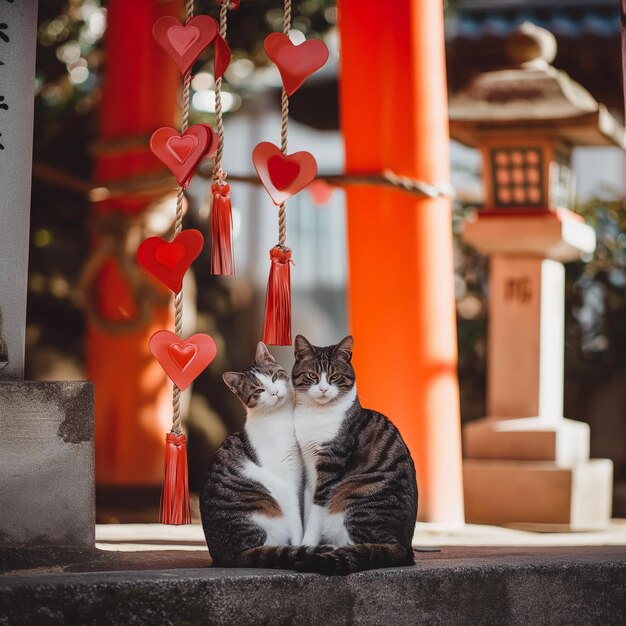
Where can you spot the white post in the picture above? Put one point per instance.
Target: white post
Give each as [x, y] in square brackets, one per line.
[47, 443]
[18, 38]
[526, 332]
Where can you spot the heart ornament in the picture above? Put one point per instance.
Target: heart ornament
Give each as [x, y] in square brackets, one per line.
[222, 58]
[169, 261]
[182, 153]
[184, 42]
[283, 176]
[295, 63]
[183, 360]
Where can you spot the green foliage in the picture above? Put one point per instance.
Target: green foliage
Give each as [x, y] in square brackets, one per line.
[596, 298]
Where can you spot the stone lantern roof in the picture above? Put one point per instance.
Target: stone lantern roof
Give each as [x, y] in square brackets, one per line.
[532, 96]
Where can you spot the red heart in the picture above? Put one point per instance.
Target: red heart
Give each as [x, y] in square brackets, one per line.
[282, 171]
[295, 63]
[222, 57]
[170, 254]
[212, 149]
[182, 354]
[276, 171]
[184, 43]
[182, 37]
[168, 262]
[182, 359]
[321, 192]
[182, 153]
[182, 147]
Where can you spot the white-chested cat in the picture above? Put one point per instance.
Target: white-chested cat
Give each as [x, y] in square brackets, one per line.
[360, 491]
[250, 502]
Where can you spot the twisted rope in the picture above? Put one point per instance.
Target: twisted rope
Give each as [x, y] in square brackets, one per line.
[218, 173]
[284, 123]
[178, 300]
[151, 183]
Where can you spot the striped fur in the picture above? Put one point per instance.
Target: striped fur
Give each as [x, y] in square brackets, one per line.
[250, 502]
[360, 487]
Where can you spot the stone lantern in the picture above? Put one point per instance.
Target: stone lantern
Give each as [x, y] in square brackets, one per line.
[525, 464]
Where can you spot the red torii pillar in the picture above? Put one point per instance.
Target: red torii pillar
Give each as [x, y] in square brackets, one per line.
[133, 395]
[401, 285]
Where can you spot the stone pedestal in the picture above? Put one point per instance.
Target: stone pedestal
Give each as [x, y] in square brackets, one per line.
[539, 495]
[562, 441]
[47, 495]
[525, 464]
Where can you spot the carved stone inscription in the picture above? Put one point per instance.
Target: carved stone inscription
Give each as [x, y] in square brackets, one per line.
[18, 38]
[518, 290]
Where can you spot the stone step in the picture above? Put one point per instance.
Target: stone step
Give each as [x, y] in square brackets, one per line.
[561, 440]
[534, 494]
[457, 586]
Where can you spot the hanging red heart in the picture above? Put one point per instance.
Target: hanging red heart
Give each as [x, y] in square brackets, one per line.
[321, 192]
[182, 359]
[168, 261]
[222, 57]
[182, 153]
[212, 149]
[185, 42]
[295, 63]
[283, 176]
[282, 171]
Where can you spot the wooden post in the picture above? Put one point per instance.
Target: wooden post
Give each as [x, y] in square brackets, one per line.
[18, 39]
[401, 291]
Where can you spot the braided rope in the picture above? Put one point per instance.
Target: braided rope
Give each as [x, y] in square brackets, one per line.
[218, 173]
[178, 300]
[284, 123]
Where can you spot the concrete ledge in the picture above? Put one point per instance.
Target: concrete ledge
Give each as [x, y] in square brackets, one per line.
[457, 586]
[47, 464]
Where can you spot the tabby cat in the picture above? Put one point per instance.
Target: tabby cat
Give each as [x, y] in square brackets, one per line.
[250, 502]
[360, 491]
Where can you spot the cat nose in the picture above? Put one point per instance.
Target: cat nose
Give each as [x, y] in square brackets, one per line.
[323, 389]
[274, 392]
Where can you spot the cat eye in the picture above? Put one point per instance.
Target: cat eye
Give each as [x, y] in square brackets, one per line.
[334, 378]
[311, 377]
[274, 377]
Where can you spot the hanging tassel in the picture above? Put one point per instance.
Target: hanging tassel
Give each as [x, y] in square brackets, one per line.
[175, 495]
[277, 324]
[222, 257]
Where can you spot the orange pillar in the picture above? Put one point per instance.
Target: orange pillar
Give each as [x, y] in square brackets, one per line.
[401, 288]
[133, 395]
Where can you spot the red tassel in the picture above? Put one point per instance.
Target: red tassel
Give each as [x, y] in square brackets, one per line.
[277, 324]
[222, 258]
[175, 495]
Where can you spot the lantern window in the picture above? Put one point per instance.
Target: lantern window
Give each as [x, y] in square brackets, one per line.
[517, 179]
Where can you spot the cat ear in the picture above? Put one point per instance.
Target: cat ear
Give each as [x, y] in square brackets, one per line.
[344, 348]
[263, 355]
[302, 347]
[232, 379]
